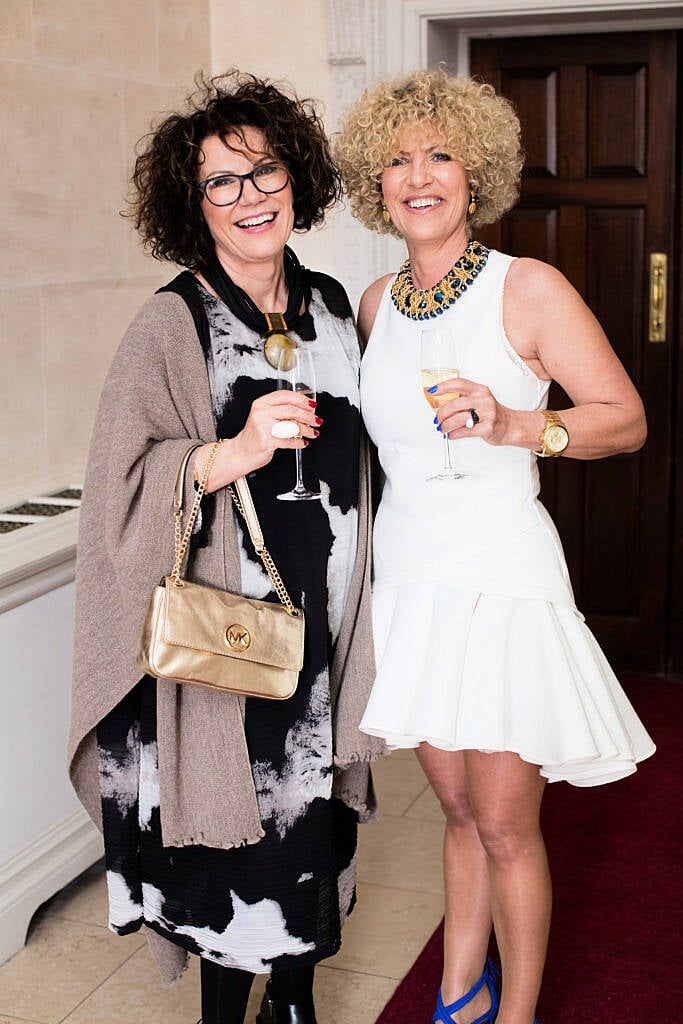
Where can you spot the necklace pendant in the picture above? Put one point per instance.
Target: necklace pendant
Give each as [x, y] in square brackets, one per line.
[274, 344]
[275, 340]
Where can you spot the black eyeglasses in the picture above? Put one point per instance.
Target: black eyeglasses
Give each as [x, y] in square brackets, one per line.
[225, 188]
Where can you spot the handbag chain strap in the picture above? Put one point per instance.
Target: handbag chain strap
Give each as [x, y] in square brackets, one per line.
[245, 506]
[181, 540]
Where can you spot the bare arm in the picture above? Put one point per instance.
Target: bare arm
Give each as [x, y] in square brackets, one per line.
[368, 306]
[549, 324]
[555, 333]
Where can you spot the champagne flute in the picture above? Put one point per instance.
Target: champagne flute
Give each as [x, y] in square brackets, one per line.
[439, 361]
[295, 372]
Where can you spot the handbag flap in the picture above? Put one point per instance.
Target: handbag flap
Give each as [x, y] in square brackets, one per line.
[218, 622]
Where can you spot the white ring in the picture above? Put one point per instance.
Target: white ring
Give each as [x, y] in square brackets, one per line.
[469, 422]
[285, 429]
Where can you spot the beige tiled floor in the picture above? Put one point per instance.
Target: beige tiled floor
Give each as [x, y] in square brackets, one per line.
[73, 970]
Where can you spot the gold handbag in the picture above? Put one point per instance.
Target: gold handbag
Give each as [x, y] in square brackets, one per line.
[195, 634]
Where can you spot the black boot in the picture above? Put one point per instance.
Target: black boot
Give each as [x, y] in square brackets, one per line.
[274, 1011]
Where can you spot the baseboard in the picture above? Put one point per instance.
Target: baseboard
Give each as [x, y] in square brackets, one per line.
[41, 869]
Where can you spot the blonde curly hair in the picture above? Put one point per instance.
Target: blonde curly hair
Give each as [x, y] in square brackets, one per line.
[478, 127]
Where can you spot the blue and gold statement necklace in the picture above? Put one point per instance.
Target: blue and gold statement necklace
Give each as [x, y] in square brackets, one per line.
[425, 305]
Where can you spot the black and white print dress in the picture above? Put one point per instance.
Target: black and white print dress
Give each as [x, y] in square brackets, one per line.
[279, 903]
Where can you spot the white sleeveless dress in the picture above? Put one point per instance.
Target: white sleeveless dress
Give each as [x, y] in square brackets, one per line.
[478, 642]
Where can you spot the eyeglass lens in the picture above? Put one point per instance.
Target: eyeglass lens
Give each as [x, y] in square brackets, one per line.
[224, 189]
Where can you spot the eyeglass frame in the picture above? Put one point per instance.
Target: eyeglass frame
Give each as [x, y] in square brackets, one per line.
[202, 185]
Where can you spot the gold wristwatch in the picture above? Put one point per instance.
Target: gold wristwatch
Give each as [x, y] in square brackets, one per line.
[554, 436]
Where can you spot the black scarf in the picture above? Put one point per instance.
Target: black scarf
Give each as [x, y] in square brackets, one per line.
[239, 303]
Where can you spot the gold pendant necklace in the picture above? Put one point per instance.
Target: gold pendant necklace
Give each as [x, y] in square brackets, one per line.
[275, 340]
[425, 304]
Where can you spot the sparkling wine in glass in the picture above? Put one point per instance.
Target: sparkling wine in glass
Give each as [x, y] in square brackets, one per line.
[440, 361]
[295, 372]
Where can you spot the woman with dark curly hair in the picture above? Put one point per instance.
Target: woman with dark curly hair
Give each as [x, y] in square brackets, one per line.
[229, 823]
[484, 664]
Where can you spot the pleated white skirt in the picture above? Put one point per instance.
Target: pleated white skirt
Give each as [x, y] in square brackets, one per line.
[477, 671]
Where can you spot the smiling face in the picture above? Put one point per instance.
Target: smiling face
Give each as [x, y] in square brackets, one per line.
[426, 191]
[256, 228]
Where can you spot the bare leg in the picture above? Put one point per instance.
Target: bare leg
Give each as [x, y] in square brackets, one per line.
[505, 794]
[467, 923]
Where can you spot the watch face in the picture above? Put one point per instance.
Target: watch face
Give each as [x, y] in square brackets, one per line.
[556, 439]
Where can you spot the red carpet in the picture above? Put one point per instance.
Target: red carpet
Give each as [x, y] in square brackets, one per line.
[615, 855]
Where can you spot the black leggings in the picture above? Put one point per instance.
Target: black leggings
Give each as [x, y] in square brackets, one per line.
[225, 991]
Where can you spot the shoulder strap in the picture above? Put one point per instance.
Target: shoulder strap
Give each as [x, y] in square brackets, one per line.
[241, 495]
[245, 504]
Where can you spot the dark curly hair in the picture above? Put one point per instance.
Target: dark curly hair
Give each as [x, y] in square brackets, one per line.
[165, 202]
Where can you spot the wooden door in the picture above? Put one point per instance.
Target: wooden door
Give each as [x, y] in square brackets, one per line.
[598, 117]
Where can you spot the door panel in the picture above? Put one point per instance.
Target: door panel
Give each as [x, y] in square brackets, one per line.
[598, 117]
[536, 230]
[536, 94]
[616, 140]
[615, 287]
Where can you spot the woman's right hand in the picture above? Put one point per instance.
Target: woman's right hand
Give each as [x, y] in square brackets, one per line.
[255, 444]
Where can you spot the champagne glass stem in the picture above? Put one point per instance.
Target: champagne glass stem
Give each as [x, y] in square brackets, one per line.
[299, 485]
[447, 465]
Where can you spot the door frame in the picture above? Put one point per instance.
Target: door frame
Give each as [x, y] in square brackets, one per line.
[411, 38]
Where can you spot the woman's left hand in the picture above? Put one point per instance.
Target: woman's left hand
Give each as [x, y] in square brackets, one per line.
[472, 404]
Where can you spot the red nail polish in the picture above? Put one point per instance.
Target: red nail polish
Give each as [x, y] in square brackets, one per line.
[318, 420]
[312, 404]
[316, 433]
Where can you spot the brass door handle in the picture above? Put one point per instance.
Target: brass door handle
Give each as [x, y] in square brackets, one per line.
[657, 296]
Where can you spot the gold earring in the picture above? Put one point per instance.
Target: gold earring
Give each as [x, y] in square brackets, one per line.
[385, 214]
[472, 208]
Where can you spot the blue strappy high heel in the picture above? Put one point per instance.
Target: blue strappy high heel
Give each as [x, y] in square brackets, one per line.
[444, 1014]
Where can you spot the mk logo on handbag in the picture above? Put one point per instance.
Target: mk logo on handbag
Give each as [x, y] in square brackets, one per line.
[237, 637]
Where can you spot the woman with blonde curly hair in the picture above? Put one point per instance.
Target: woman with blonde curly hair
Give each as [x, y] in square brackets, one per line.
[484, 664]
